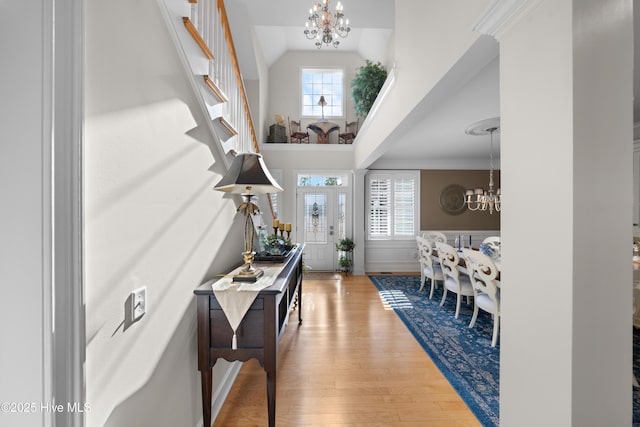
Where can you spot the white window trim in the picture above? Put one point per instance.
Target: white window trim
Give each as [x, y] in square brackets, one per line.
[393, 175]
[301, 92]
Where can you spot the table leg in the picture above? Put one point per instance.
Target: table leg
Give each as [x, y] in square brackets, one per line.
[299, 303]
[206, 380]
[271, 397]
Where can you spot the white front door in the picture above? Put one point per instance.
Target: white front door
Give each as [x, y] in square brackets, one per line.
[316, 217]
[322, 220]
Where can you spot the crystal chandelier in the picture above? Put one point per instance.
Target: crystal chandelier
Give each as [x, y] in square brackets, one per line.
[325, 27]
[479, 199]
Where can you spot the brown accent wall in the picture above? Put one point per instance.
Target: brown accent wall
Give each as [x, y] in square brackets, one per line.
[433, 217]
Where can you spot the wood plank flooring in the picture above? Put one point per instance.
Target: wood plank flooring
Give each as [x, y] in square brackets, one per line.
[350, 363]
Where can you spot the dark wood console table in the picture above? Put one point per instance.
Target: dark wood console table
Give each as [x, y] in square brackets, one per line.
[257, 335]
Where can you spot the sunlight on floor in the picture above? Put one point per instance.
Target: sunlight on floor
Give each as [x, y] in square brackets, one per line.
[395, 299]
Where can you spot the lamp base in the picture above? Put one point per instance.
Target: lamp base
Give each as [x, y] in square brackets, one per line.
[248, 276]
[248, 273]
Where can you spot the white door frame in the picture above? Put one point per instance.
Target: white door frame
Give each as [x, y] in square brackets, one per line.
[320, 256]
[67, 301]
[334, 194]
[339, 193]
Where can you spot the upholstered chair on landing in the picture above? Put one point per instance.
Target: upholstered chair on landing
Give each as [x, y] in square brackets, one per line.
[296, 133]
[428, 268]
[454, 280]
[483, 273]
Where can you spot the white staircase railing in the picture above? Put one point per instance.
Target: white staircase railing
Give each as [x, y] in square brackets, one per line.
[203, 38]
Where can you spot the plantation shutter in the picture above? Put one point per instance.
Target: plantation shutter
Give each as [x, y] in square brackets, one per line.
[380, 208]
[404, 207]
[392, 203]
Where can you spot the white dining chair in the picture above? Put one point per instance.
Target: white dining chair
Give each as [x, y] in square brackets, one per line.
[454, 280]
[492, 240]
[483, 273]
[429, 269]
[434, 236]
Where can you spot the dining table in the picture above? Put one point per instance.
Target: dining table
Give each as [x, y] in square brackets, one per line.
[323, 129]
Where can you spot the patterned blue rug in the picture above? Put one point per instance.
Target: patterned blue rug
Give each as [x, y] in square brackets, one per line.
[463, 355]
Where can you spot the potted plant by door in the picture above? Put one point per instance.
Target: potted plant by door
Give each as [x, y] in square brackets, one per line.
[345, 264]
[345, 247]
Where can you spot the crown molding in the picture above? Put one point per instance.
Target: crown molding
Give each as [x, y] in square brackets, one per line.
[502, 15]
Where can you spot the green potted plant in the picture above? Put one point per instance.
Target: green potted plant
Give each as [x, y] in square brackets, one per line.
[274, 245]
[345, 263]
[345, 245]
[366, 85]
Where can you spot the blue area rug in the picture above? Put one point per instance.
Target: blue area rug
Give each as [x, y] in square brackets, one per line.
[463, 355]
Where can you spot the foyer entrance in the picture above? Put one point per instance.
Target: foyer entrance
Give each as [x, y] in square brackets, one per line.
[323, 215]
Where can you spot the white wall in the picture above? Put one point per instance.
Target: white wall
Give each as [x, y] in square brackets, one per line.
[572, 364]
[258, 95]
[152, 219]
[25, 215]
[429, 38]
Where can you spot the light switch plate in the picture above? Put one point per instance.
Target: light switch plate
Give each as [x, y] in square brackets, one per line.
[138, 303]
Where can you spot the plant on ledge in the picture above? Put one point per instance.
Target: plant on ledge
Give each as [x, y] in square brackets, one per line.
[366, 85]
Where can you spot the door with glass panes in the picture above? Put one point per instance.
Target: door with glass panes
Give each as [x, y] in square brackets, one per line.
[322, 218]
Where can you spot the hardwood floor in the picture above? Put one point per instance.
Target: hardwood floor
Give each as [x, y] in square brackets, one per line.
[350, 363]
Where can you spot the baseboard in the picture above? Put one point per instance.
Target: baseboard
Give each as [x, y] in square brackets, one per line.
[221, 392]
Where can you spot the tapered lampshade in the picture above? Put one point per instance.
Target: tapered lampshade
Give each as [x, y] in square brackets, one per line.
[248, 174]
[322, 102]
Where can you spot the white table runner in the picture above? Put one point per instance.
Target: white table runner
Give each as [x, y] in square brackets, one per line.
[235, 298]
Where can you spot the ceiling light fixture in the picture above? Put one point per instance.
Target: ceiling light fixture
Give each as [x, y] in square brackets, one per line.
[479, 199]
[325, 27]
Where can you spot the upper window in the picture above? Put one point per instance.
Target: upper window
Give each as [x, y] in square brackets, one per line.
[327, 82]
[323, 180]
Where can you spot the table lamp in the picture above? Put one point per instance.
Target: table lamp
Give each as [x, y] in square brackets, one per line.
[248, 176]
[322, 103]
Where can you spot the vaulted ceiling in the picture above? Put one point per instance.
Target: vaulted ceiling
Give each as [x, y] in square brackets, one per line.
[430, 137]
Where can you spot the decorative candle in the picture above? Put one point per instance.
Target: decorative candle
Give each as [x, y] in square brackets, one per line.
[281, 226]
[276, 223]
[287, 227]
